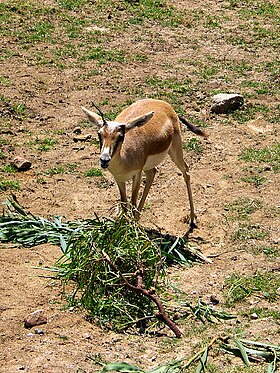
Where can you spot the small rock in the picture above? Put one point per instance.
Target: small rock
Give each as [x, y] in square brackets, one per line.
[214, 300]
[254, 316]
[21, 164]
[39, 331]
[82, 138]
[77, 130]
[226, 102]
[86, 336]
[35, 318]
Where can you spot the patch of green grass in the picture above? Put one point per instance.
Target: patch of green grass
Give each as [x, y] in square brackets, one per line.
[182, 88]
[242, 207]
[69, 168]
[260, 88]
[3, 155]
[169, 89]
[262, 313]
[55, 171]
[12, 110]
[269, 155]
[208, 72]
[72, 4]
[102, 55]
[248, 232]
[195, 145]
[263, 284]
[249, 112]
[41, 180]
[3, 141]
[9, 169]
[271, 252]
[9, 184]
[4, 81]
[256, 180]
[40, 31]
[46, 144]
[92, 172]
[153, 10]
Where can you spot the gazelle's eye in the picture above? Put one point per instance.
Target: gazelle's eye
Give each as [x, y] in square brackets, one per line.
[121, 137]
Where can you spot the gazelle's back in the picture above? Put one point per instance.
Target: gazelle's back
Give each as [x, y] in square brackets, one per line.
[155, 136]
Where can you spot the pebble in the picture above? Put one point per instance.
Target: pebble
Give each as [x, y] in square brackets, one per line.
[35, 318]
[21, 164]
[39, 331]
[77, 130]
[214, 300]
[254, 316]
[82, 138]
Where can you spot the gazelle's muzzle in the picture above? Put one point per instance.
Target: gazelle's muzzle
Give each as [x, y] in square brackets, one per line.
[105, 160]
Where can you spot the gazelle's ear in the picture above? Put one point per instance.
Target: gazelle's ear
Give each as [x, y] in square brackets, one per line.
[93, 117]
[139, 121]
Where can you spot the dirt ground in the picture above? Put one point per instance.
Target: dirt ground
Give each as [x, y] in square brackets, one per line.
[68, 342]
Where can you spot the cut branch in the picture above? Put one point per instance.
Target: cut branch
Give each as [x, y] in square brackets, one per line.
[151, 294]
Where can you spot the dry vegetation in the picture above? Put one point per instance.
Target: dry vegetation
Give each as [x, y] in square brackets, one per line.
[59, 55]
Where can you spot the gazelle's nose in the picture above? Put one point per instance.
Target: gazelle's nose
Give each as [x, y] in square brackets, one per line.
[105, 160]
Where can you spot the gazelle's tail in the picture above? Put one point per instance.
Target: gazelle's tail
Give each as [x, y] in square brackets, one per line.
[192, 127]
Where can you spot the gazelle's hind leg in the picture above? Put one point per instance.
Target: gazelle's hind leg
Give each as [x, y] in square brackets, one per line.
[150, 175]
[176, 154]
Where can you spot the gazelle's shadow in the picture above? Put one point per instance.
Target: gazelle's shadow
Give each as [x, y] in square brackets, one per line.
[175, 249]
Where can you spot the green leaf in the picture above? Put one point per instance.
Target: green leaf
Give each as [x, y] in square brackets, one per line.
[202, 364]
[242, 351]
[121, 367]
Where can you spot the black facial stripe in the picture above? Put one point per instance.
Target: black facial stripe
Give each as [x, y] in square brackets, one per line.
[100, 140]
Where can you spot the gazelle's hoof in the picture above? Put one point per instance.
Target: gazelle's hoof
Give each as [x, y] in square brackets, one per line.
[192, 226]
[136, 215]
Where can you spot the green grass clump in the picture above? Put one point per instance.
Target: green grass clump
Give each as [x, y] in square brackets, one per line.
[92, 172]
[69, 168]
[269, 155]
[248, 232]
[44, 144]
[71, 4]
[9, 169]
[256, 180]
[195, 145]
[263, 284]
[242, 207]
[9, 185]
[102, 55]
[263, 313]
[271, 252]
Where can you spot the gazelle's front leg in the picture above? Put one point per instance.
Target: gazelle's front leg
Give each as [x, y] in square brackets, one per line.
[122, 189]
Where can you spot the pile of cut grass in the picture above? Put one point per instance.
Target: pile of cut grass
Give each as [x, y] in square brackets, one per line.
[117, 267]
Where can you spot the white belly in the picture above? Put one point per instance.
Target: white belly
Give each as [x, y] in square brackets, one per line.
[122, 175]
[154, 160]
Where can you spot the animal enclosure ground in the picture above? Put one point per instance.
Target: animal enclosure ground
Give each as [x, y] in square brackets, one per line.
[59, 55]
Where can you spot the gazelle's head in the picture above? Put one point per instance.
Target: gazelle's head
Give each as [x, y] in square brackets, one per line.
[112, 134]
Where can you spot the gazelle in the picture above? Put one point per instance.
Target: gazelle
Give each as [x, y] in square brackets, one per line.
[138, 140]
